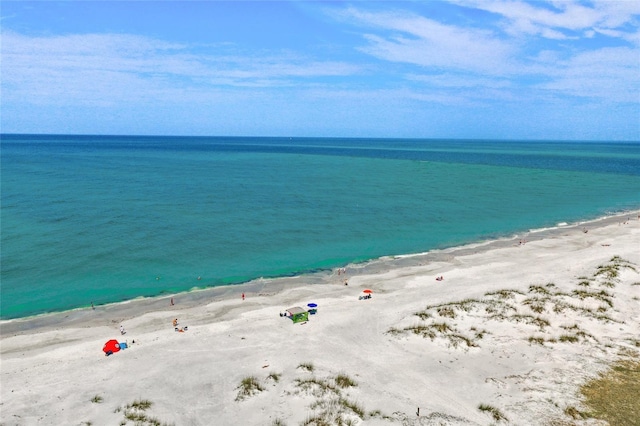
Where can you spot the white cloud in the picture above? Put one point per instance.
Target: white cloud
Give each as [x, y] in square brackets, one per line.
[610, 74]
[479, 57]
[549, 19]
[414, 39]
[109, 68]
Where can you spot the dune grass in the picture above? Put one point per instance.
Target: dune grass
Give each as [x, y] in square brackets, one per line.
[493, 411]
[274, 376]
[614, 396]
[136, 414]
[307, 366]
[249, 386]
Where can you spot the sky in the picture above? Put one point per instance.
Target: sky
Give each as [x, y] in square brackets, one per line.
[477, 69]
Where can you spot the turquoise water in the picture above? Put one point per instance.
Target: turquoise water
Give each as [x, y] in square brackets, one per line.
[106, 219]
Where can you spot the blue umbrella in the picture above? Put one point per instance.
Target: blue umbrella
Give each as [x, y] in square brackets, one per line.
[312, 305]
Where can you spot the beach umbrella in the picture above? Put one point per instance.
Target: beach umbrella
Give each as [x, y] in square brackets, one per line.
[312, 305]
[367, 291]
[111, 346]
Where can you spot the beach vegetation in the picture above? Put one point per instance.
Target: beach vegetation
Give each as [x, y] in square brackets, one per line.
[318, 387]
[423, 315]
[306, 366]
[499, 309]
[140, 404]
[97, 399]
[531, 320]
[493, 411]
[559, 307]
[316, 420]
[585, 281]
[601, 295]
[605, 318]
[457, 339]
[567, 338]
[394, 331]
[447, 312]
[611, 271]
[570, 327]
[574, 413]
[467, 304]
[375, 413]
[249, 386]
[422, 330]
[334, 411]
[419, 329]
[613, 396]
[344, 381]
[378, 413]
[274, 376]
[136, 413]
[505, 294]
[536, 340]
[442, 327]
[353, 406]
[478, 333]
[539, 289]
[536, 304]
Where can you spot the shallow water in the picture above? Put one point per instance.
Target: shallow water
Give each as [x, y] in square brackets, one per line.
[105, 219]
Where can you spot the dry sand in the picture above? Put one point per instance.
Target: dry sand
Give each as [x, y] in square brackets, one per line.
[514, 327]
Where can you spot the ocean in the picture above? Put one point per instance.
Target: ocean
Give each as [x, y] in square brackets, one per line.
[106, 219]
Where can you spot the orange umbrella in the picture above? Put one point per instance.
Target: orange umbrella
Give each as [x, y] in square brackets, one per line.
[367, 291]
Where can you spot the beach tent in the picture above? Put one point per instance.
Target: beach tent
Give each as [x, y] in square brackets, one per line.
[112, 346]
[298, 314]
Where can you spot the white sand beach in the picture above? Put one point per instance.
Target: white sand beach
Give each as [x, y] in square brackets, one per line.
[515, 328]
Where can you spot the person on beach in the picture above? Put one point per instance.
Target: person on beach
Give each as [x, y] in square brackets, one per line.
[175, 322]
[93, 307]
[242, 296]
[172, 301]
[122, 330]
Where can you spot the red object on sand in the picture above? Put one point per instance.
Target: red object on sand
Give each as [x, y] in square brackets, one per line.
[111, 346]
[367, 291]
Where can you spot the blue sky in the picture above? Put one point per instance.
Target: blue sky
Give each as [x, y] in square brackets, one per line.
[421, 69]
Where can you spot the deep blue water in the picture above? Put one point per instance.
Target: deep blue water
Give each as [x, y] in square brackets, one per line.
[110, 218]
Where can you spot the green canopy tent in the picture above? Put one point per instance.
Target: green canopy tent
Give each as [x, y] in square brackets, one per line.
[298, 314]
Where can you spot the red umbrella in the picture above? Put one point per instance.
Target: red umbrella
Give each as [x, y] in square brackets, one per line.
[111, 346]
[367, 291]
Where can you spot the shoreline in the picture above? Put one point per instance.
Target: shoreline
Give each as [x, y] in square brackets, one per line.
[513, 328]
[128, 309]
